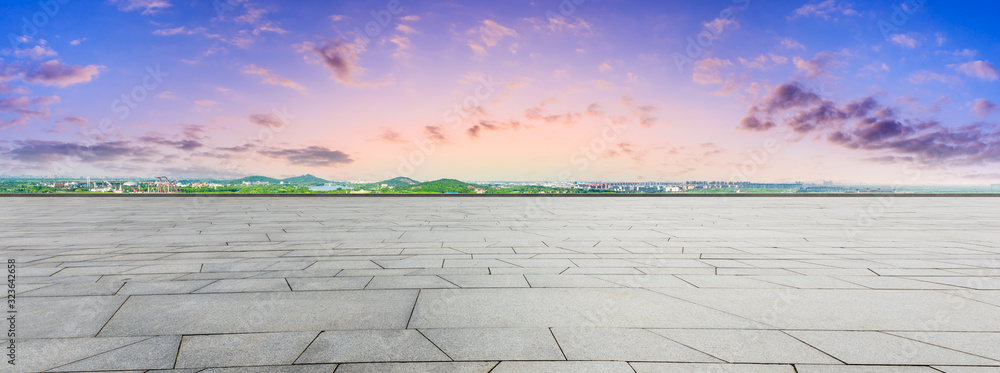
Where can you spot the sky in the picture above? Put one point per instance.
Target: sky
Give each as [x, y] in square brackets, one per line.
[573, 90]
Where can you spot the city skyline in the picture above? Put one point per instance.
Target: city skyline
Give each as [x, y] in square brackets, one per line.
[729, 90]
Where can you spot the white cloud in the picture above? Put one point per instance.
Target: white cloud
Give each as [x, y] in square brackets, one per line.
[707, 71]
[489, 34]
[826, 9]
[146, 6]
[792, 44]
[821, 63]
[39, 51]
[905, 41]
[270, 78]
[921, 77]
[979, 69]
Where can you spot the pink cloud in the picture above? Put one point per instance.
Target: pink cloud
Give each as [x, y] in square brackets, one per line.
[56, 73]
[146, 6]
[983, 107]
[979, 69]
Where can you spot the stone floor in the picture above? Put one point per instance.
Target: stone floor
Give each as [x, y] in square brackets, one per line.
[525, 284]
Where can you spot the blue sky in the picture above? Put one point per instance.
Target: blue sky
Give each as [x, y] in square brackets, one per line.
[874, 91]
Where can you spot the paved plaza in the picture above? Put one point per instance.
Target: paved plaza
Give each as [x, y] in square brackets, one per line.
[505, 284]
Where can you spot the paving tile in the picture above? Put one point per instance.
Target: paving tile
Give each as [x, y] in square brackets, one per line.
[457, 367]
[808, 282]
[748, 346]
[311, 368]
[162, 287]
[602, 271]
[568, 281]
[165, 268]
[327, 283]
[230, 350]
[982, 344]
[882, 349]
[361, 346]
[151, 353]
[959, 369]
[246, 286]
[837, 309]
[894, 283]
[235, 267]
[646, 281]
[712, 368]
[862, 369]
[622, 344]
[409, 282]
[78, 316]
[563, 367]
[727, 282]
[47, 354]
[514, 308]
[261, 312]
[496, 344]
[481, 263]
[61, 290]
[487, 281]
[342, 264]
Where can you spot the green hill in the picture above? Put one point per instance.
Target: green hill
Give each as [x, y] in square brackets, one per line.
[443, 186]
[305, 180]
[256, 179]
[399, 181]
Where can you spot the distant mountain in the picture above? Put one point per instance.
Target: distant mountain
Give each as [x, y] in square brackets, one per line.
[305, 180]
[256, 179]
[399, 181]
[443, 186]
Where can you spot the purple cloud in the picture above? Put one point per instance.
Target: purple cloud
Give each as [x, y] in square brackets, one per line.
[313, 156]
[341, 58]
[270, 120]
[866, 124]
[56, 73]
[41, 152]
[435, 133]
[979, 69]
[984, 107]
